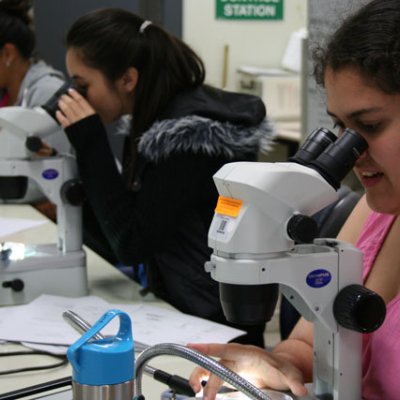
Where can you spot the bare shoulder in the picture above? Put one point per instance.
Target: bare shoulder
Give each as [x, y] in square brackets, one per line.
[352, 227]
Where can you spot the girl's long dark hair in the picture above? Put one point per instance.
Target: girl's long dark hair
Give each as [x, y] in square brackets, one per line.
[110, 40]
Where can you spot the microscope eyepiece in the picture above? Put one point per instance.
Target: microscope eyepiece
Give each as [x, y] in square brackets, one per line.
[332, 157]
[337, 160]
[318, 140]
[51, 106]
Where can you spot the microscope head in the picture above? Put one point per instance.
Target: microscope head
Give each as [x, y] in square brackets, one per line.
[19, 124]
[264, 209]
[259, 201]
[22, 133]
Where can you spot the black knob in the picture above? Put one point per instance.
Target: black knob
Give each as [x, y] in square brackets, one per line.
[359, 309]
[16, 284]
[72, 192]
[33, 143]
[302, 229]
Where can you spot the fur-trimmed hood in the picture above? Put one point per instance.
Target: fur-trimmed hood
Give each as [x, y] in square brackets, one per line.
[198, 135]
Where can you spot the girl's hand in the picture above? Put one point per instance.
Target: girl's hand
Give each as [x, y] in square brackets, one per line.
[260, 367]
[72, 108]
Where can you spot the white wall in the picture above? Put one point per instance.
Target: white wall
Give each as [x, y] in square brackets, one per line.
[257, 43]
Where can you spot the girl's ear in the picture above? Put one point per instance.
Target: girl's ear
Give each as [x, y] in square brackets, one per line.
[9, 53]
[129, 79]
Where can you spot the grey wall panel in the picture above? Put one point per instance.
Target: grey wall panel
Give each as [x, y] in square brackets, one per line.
[172, 16]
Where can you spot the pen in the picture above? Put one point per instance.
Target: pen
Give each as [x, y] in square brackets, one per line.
[176, 383]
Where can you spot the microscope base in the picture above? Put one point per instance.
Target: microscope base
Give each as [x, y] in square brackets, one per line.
[42, 269]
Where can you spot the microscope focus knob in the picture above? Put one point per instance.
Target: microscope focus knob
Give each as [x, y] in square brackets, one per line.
[302, 228]
[33, 143]
[72, 192]
[359, 309]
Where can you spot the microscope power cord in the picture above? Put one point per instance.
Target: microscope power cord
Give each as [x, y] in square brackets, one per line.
[62, 358]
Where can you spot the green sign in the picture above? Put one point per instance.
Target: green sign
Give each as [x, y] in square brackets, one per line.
[249, 9]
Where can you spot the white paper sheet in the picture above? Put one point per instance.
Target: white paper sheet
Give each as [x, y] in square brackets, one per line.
[41, 322]
[9, 226]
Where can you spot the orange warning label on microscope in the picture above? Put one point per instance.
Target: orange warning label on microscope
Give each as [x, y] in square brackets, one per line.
[228, 206]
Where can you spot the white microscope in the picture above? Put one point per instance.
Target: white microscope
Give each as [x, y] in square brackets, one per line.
[263, 238]
[26, 271]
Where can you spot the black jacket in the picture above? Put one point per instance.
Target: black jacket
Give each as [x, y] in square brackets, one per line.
[164, 222]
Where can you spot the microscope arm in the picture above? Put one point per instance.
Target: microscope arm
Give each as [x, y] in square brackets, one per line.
[56, 177]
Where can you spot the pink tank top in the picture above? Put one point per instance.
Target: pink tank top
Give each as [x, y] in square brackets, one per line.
[381, 349]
